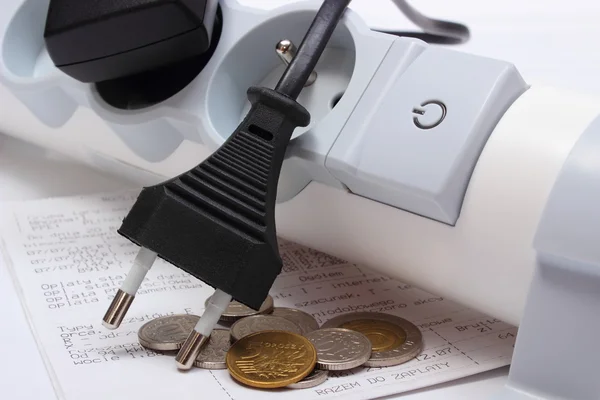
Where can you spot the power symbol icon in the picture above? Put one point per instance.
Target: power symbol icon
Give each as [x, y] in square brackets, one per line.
[429, 114]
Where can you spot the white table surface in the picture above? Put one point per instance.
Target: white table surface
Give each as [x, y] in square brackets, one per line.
[550, 41]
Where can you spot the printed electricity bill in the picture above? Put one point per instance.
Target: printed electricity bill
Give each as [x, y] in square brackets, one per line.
[67, 261]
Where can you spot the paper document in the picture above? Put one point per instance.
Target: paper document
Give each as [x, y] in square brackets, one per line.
[67, 261]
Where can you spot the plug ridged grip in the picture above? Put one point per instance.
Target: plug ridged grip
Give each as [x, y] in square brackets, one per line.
[217, 221]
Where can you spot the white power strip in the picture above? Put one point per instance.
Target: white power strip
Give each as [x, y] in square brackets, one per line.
[362, 176]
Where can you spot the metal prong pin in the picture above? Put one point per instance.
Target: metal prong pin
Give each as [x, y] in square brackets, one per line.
[286, 50]
[126, 293]
[197, 338]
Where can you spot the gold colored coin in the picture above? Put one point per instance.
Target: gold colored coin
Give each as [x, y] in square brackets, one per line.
[271, 359]
[383, 335]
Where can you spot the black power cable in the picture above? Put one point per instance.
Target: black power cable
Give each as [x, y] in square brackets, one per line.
[297, 73]
[217, 221]
[434, 30]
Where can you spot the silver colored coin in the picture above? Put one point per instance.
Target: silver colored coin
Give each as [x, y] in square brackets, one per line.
[313, 379]
[394, 340]
[258, 323]
[167, 333]
[305, 321]
[213, 353]
[340, 349]
[236, 310]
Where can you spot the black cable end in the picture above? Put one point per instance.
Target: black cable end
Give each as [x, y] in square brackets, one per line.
[217, 220]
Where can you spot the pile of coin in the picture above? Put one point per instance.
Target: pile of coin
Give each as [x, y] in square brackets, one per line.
[278, 347]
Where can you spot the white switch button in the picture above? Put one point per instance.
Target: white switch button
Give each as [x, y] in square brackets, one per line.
[415, 136]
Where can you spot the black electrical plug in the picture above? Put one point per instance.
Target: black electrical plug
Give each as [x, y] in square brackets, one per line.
[217, 221]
